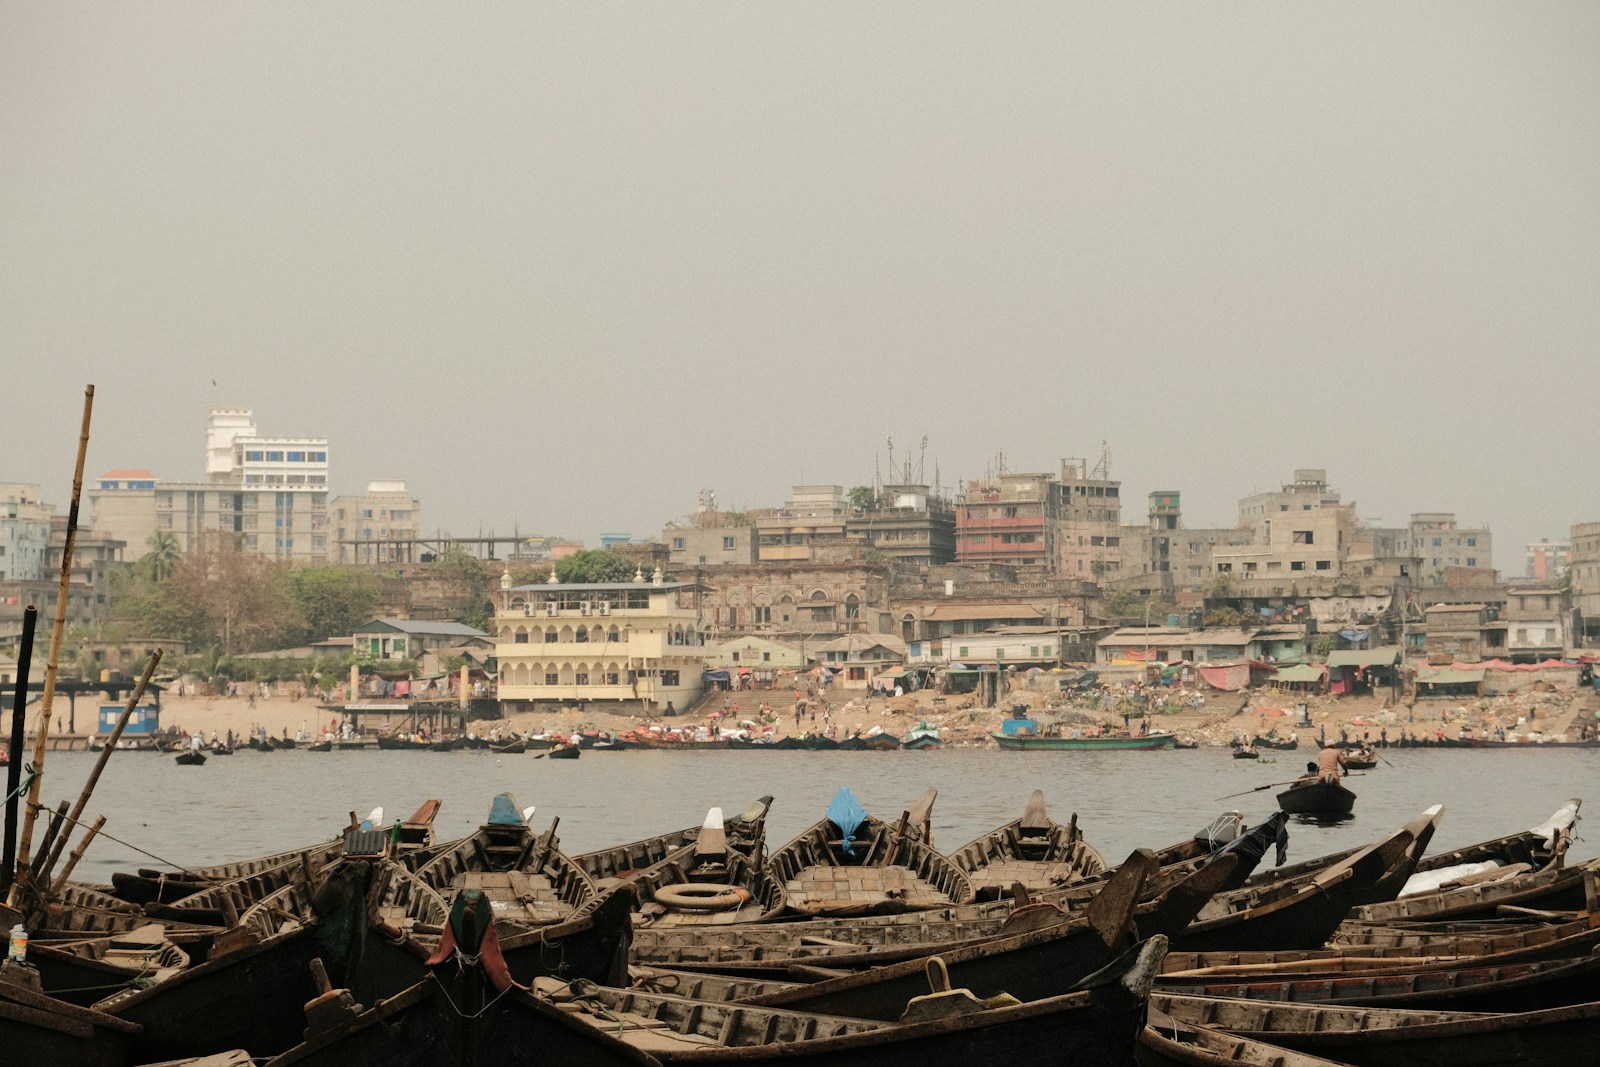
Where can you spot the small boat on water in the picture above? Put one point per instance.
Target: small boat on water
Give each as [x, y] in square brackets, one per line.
[745, 833]
[192, 758]
[562, 752]
[709, 882]
[853, 864]
[1033, 850]
[923, 738]
[1281, 744]
[528, 880]
[1313, 796]
[1246, 752]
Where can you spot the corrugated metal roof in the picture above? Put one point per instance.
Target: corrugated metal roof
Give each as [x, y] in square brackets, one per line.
[1365, 657]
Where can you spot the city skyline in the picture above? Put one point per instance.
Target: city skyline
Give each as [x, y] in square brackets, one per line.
[560, 269]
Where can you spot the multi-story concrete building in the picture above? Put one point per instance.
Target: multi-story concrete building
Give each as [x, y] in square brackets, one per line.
[1088, 538]
[24, 532]
[1547, 560]
[800, 600]
[1164, 555]
[1585, 575]
[1441, 543]
[710, 546]
[637, 645]
[1537, 623]
[1300, 532]
[810, 527]
[122, 506]
[380, 525]
[1010, 518]
[910, 524]
[277, 523]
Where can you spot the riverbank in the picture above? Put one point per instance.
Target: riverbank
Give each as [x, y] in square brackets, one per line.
[1213, 719]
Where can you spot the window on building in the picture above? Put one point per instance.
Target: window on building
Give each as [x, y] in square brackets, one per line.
[727, 544]
[766, 657]
[274, 457]
[1472, 542]
[552, 678]
[1304, 537]
[1224, 567]
[296, 457]
[551, 637]
[1297, 564]
[253, 457]
[581, 678]
[1472, 561]
[669, 678]
[1435, 542]
[677, 544]
[1249, 566]
[611, 678]
[1324, 564]
[520, 638]
[1274, 565]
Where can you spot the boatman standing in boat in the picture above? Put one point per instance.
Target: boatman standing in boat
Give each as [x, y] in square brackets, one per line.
[1330, 765]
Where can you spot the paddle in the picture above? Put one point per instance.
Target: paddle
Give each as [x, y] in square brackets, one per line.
[1270, 785]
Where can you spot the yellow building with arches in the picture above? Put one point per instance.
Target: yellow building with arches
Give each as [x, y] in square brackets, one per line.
[638, 645]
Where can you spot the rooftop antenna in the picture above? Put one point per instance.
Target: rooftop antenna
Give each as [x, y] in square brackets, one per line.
[922, 460]
[890, 441]
[1102, 471]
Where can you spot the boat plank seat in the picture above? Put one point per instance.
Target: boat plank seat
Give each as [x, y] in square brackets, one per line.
[845, 886]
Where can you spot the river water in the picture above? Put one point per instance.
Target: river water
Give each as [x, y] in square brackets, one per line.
[248, 804]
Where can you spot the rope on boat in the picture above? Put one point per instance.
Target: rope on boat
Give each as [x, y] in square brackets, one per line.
[118, 840]
[445, 990]
[28, 775]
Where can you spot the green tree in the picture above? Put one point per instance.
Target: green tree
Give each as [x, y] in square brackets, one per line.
[863, 497]
[596, 565]
[219, 595]
[163, 557]
[333, 600]
[467, 583]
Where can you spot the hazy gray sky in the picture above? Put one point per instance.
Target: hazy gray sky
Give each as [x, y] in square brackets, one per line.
[561, 265]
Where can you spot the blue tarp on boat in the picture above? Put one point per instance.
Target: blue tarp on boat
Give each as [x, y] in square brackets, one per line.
[504, 811]
[846, 813]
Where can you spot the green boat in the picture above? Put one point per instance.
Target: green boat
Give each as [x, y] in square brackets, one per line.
[1024, 742]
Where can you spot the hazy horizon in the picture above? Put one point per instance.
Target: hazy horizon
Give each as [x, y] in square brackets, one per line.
[561, 267]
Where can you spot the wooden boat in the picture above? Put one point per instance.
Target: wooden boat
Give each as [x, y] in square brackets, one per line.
[82, 972]
[709, 882]
[1095, 1024]
[1304, 912]
[320, 746]
[1514, 987]
[1028, 964]
[40, 1029]
[1363, 759]
[923, 738]
[1553, 888]
[401, 744]
[1279, 744]
[745, 833]
[466, 1009]
[1033, 850]
[1166, 1041]
[526, 875]
[359, 919]
[509, 748]
[1313, 796]
[1398, 1037]
[221, 903]
[563, 752]
[193, 758]
[853, 864]
[1246, 753]
[1022, 743]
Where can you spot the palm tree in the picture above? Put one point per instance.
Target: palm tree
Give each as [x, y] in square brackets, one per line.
[163, 556]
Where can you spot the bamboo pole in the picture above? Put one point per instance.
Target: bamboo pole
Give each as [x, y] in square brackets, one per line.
[77, 853]
[105, 754]
[19, 714]
[57, 630]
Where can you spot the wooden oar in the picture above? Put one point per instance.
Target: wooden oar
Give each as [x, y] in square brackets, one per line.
[1270, 785]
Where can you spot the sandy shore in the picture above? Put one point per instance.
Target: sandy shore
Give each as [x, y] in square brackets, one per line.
[1213, 723]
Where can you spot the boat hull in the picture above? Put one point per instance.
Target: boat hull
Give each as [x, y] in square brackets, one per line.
[1317, 798]
[1015, 743]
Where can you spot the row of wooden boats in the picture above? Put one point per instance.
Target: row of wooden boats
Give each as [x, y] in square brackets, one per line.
[856, 942]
